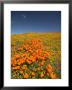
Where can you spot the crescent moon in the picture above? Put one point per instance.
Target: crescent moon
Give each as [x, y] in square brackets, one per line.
[24, 16]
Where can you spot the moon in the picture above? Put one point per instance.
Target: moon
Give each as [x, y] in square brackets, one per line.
[24, 16]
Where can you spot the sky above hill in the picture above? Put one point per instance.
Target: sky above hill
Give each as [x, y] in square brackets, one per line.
[35, 21]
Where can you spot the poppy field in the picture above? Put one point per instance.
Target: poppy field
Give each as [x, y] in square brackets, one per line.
[36, 56]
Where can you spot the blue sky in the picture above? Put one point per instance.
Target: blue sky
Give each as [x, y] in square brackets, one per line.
[35, 21]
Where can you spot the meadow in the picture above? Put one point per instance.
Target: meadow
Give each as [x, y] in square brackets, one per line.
[36, 55]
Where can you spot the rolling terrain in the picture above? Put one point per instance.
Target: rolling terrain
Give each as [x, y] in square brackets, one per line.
[36, 56]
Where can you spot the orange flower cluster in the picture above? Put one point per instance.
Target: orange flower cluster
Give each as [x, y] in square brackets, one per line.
[26, 75]
[50, 72]
[30, 53]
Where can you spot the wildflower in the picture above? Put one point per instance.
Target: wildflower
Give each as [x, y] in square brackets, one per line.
[53, 75]
[16, 68]
[26, 75]
[17, 56]
[28, 61]
[20, 48]
[24, 67]
[33, 74]
[21, 72]
[46, 54]
[47, 74]
[42, 63]
[13, 62]
[38, 69]
[41, 75]
[49, 68]
[24, 55]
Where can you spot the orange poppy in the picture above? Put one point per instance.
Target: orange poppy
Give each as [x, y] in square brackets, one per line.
[26, 75]
[24, 67]
[53, 75]
[49, 68]
[38, 69]
[16, 68]
[17, 56]
[13, 62]
[33, 74]
[41, 75]
[21, 72]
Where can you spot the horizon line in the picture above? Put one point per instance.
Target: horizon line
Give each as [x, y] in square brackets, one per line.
[34, 32]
